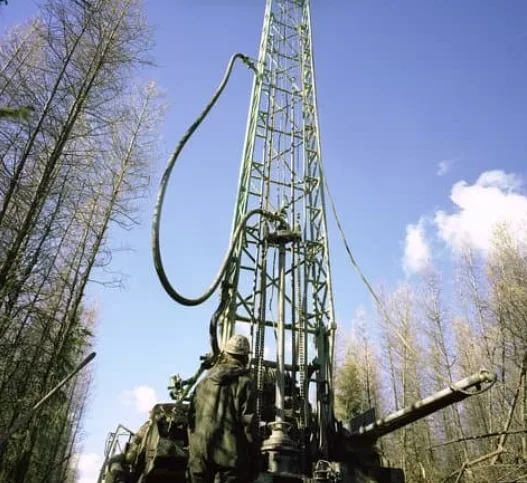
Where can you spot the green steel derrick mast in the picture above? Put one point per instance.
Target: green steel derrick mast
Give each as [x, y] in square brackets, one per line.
[280, 279]
[276, 288]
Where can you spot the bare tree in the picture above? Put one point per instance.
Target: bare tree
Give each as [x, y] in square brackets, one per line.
[357, 381]
[72, 170]
[409, 448]
[442, 367]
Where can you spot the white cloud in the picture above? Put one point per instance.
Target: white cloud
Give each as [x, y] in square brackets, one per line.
[88, 467]
[143, 398]
[416, 250]
[90, 462]
[493, 199]
[497, 178]
[443, 167]
[267, 352]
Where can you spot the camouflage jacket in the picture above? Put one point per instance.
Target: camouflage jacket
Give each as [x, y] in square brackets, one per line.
[222, 423]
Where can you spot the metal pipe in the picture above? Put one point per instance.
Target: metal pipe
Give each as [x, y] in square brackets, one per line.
[25, 419]
[455, 393]
[280, 346]
[268, 323]
[272, 364]
[260, 328]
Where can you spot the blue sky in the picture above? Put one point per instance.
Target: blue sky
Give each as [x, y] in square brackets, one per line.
[414, 97]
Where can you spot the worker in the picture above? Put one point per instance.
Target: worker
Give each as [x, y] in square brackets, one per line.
[136, 444]
[223, 432]
[121, 466]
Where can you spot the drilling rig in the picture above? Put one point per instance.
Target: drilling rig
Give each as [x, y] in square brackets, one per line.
[275, 285]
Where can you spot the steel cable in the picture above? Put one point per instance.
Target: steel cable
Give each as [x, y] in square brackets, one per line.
[380, 304]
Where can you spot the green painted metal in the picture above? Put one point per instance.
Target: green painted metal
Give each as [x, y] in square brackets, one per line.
[277, 284]
[281, 171]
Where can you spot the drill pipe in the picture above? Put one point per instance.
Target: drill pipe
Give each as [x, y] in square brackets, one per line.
[21, 422]
[455, 393]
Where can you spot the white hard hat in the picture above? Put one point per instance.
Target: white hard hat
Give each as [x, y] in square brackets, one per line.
[238, 345]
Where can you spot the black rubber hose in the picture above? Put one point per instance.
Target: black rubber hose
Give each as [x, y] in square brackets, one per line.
[158, 263]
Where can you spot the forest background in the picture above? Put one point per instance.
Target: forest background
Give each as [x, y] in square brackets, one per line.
[82, 130]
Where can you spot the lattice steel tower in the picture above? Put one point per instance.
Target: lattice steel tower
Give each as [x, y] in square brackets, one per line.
[277, 284]
[279, 276]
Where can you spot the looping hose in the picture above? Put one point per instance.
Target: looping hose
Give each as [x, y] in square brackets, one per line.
[158, 263]
[213, 325]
